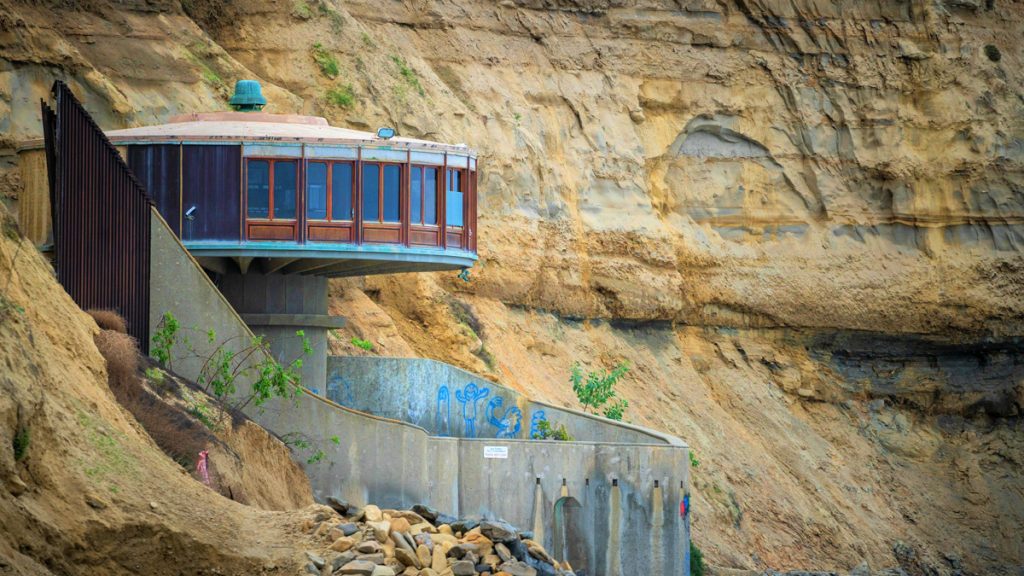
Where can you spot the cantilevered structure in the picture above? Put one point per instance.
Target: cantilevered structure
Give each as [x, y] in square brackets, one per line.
[279, 193]
[272, 205]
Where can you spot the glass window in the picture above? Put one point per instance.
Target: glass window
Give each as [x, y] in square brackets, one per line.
[341, 191]
[316, 191]
[453, 198]
[371, 188]
[258, 188]
[455, 179]
[285, 179]
[453, 208]
[416, 195]
[430, 196]
[392, 192]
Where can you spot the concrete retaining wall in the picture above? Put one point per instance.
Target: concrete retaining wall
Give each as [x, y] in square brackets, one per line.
[611, 508]
[626, 496]
[449, 401]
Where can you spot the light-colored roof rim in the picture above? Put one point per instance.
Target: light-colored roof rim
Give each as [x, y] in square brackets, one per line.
[38, 143]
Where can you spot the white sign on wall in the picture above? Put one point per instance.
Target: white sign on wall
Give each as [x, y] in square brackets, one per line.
[495, 451]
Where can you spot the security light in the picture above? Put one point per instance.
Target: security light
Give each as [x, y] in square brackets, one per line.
[385, 133]
[191, 213]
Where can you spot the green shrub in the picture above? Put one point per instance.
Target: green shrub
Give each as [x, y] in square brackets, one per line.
[297, 441]
[325, 60]
[696, 560]
[301, 10]
[164, 339]
[363, 344]
[694, 463]
[20, 443]
[993, 53]
[341, 97]
[337, 21]
[546, 432]
[408, 74]
[598, 388]
[155, 375]
[615, 411]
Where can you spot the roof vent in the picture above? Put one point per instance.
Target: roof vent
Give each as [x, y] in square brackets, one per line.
[248, 96]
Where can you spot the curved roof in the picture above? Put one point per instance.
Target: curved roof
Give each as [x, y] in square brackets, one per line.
[263, 127]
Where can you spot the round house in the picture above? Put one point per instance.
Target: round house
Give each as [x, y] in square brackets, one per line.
[292, 194]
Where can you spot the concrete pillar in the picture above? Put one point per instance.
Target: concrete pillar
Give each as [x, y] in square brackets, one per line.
[539, 509]
[657, 529]
[276, 306]
[614, 561]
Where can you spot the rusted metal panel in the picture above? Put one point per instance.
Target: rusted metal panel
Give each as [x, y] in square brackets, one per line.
[212, 183]
[157, 166]
[101, 217]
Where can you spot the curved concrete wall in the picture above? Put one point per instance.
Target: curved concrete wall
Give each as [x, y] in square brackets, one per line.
[628, 495]
[449, 401]
[609, 507]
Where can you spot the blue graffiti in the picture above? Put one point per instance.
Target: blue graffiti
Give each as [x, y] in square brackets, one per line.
[444, 409]
[535, 421]
[468, 396]
[339, 390]
[508, 425]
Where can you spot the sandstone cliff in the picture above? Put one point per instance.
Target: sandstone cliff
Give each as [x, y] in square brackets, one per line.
[801, 221]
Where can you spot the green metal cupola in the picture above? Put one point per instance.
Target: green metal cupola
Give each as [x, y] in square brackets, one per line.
[248, 96]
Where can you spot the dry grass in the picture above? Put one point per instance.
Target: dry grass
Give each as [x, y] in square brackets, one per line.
[176, 433]
[173, 430]
[108, 320]
[122, 355]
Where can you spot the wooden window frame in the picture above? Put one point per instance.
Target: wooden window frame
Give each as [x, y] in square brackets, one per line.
[329, 229]
[420, 233]
[271, 228]
[330, 191]
[464, 183]
[437, 186]
[270, 210]
[380, 231]
[403, 185]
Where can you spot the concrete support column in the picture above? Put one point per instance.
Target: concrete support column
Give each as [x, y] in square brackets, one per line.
[276, 306]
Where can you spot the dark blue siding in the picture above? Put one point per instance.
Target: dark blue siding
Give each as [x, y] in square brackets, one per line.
[157, 168]
[212, 183]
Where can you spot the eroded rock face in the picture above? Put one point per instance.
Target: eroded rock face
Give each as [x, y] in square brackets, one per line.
[800, 221]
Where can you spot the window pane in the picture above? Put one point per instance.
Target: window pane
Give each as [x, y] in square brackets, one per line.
[416, 196]
[392, 187]
[371, 180]
[259, 188]
[455, 180]
[453, 212]
[341, 192]
[316, 191]
[430, 196]
[284, 189]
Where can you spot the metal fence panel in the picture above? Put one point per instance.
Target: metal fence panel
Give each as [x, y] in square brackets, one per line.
[101, 217]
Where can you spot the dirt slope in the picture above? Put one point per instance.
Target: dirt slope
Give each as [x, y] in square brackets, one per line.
[89, 491]
[801, 221]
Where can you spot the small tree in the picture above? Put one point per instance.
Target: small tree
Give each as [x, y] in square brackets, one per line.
[231, 360]
[596, 389]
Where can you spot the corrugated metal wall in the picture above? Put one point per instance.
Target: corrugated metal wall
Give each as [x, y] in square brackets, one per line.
[158, 168]
[101, 217]
[212, 183]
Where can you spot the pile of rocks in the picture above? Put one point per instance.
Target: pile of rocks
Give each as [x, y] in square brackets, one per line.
[369, 541]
